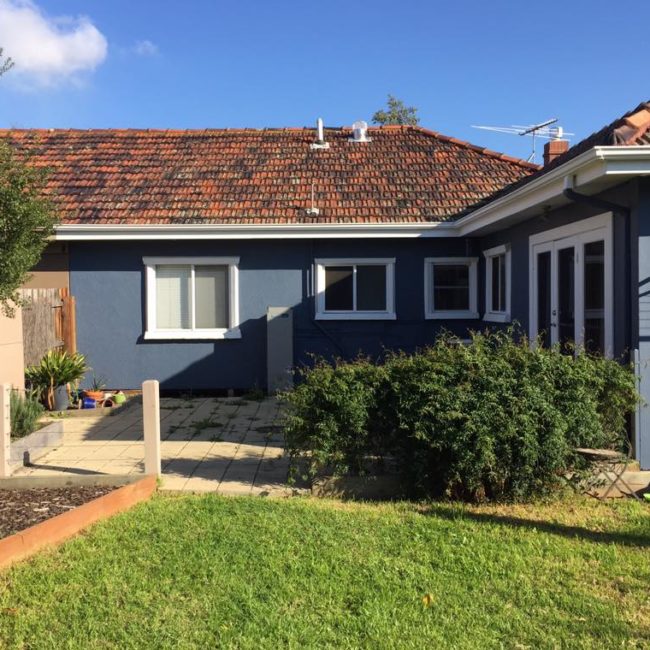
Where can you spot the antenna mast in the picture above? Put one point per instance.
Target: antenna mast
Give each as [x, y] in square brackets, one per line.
[542, 130]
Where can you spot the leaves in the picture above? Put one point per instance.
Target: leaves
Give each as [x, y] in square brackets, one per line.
[26, 224]
[491, 420]
[397, 113]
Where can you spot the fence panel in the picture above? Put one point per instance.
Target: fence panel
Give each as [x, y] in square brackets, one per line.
[48, 322]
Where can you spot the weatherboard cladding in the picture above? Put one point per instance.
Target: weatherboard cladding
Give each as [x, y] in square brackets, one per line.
[247, 176]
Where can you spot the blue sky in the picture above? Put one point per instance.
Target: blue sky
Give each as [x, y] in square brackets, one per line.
[200, 63]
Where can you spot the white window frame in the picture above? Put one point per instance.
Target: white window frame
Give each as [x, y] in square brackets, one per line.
[430, 312]
[493, 315]
[231, 332]
[323, 314]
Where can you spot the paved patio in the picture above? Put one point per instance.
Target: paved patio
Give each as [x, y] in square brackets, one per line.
[226, 445]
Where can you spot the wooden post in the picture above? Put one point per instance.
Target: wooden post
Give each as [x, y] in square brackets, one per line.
[5, 429]
[151, 424]
[69, 324]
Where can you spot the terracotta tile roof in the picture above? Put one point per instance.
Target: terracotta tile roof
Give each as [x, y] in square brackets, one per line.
[405, 174]
[630, 130]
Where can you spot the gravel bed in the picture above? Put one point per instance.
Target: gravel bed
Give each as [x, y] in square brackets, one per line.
[20, 509]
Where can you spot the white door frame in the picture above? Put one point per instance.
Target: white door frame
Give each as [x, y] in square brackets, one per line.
[574, 234]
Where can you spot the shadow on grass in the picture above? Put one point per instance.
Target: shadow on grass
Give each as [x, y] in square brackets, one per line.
[571, 532]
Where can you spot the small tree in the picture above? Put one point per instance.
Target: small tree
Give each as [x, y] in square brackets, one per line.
[26, 223]
[396, 113]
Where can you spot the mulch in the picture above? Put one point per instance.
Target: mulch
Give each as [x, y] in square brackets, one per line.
[20, 509]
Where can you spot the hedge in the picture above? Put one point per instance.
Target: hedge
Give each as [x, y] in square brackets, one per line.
[493, 419]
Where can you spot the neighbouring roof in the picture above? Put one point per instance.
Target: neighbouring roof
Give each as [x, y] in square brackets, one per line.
[629, 130]
[405, 174]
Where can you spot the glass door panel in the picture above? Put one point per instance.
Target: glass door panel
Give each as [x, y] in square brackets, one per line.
[565, 312]
[594, 296]
[544, 297]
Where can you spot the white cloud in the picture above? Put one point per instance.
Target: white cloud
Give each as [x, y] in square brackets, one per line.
[48, 50]
[145, 48]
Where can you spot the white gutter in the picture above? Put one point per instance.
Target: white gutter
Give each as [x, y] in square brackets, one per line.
[84, 232]
[596, 164]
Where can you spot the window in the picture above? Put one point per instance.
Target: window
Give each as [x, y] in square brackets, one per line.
[355, 289]
[192, 298]
[497, 284]
[450, 287]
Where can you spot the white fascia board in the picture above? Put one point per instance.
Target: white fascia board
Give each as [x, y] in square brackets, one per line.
[592, 165]
[82, 232]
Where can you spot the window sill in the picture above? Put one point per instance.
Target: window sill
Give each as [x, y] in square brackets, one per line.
[193, 335]
[496, 317]
[452, 315]
[358, 315]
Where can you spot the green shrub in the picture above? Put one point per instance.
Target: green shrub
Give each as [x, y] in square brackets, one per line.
[330, 415]
[24, 413]
[494, 419]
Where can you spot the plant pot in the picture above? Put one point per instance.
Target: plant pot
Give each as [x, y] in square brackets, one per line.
[119, 398]
[61, 399]
[97, 395]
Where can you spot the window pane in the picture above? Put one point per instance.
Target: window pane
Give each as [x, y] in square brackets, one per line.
[338, 288]
[566, 296]
[595, 296]
[502, 282]
[371, 288]
[173, 297]
[498, 283]
[544, 297]
[211, 299]
[450, 286]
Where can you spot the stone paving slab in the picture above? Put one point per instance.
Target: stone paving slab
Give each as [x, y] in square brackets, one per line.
[227, 445]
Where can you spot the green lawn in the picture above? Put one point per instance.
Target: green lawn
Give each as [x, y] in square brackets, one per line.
[255, 573]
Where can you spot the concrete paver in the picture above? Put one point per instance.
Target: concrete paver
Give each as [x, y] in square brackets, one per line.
[226, 445]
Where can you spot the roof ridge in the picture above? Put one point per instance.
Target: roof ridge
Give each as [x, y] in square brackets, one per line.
[468, 145]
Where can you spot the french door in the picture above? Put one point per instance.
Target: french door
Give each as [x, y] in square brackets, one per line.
[571, 286]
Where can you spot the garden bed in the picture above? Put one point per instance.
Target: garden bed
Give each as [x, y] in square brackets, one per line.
[39, 512]
[20, 509]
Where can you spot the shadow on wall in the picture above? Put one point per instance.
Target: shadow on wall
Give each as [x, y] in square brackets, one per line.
[230, 363]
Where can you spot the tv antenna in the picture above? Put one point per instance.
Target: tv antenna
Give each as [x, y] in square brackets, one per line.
[542, 130]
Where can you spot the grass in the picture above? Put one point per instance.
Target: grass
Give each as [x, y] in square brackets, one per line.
[205, 571]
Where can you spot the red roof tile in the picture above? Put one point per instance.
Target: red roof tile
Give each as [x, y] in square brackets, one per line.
[247, 176]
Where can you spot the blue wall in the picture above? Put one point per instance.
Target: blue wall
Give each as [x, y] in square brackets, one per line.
[517, 236]
[107, 279]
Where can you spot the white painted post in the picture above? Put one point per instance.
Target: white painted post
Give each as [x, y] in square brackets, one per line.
[5, 429]
[151, 423]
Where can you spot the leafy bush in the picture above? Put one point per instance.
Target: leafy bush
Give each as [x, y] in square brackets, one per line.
[493, 419]
[24, 413]
[57, 368]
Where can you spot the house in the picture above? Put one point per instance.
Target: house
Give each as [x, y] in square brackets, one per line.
[177, 243]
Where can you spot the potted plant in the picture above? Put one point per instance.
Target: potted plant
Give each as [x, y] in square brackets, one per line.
[53, 375]
[96, 391]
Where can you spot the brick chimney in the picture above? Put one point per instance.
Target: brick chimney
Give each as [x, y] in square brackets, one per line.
[553, 149]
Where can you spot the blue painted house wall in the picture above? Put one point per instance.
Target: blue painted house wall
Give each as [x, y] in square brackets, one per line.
[107, 279]
[518, 238]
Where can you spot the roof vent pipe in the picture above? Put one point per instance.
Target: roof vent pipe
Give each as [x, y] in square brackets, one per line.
[360, 132]
[320, 136]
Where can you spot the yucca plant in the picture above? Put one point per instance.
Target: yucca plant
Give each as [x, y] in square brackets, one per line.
[57, 368]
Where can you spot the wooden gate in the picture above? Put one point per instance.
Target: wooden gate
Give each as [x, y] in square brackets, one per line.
[48, 322]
